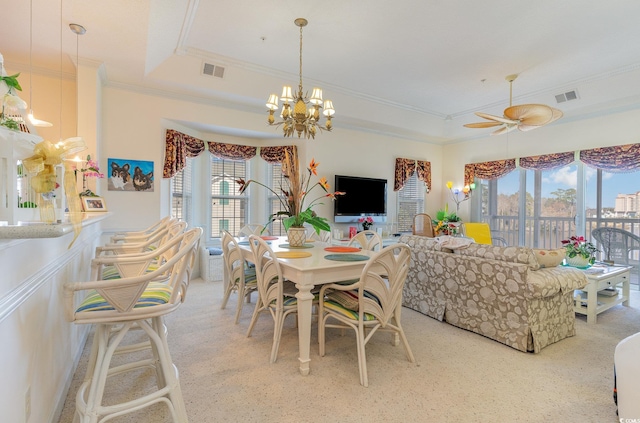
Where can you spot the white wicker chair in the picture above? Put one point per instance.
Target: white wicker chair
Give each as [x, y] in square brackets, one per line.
[253, 229]
[142, 235]
[367, 240]
[141, 246]
[239, 277]
[138, 300]
[371, 304]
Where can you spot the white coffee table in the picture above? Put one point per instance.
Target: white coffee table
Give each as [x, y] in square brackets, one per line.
[604, 290]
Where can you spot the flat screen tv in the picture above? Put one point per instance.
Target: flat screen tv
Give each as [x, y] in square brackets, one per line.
[364, 197]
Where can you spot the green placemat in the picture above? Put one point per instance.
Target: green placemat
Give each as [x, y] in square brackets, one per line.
[346, 257]
[247, 242]
[289, 246]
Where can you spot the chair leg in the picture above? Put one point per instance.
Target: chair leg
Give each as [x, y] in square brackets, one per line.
[278, 323]
[227, 294]
[241, 295]
[362, 358]
[254, 317]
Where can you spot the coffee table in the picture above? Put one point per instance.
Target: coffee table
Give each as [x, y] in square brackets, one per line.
[605, 289]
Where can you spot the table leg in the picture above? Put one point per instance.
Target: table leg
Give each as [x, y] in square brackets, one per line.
[625, 289]
[305, 304]
[592, 302]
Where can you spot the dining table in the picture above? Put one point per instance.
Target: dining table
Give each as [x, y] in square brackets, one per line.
[315, 263]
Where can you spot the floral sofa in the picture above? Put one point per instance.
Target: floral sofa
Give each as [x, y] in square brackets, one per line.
[499, 292]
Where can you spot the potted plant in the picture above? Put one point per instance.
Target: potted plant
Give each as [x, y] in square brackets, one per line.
[447, 223]
[580, 252]
[295, 213]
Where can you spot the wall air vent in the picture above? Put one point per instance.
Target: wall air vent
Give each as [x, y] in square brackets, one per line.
[568, 96]
[212, 70]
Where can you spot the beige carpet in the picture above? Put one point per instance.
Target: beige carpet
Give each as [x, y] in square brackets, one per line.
[458, 377]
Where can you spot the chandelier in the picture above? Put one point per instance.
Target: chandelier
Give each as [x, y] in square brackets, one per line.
[300, 119]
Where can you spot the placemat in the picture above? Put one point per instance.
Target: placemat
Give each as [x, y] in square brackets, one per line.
[293, 254]
[346, 257]
[289, 246]
[342, 249]
[269, 237]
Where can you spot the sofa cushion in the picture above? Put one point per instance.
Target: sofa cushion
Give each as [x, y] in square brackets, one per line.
[522, 255]
[549, 258]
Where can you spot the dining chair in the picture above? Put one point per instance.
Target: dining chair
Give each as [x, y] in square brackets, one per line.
[117, 307]
[323, 236]
[142, 235]
[371, 304]
[422, 225]
[274, 295]
[367, 240]
[239, 277]
[128, 246]
[253, 229]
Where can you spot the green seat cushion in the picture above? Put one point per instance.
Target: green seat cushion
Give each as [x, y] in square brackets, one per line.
[351, 314]
[155, 294]
[111, 272]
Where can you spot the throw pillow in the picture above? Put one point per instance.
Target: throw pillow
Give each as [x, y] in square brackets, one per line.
[549, 258]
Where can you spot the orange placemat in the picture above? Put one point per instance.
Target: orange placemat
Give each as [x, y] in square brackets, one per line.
[342, 249]
[269, 238]
[293, 254]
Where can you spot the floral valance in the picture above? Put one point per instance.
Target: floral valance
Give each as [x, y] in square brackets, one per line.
[178, 147]
[488, 170]
[276, 154]
[406, 167]
[547, 161]
[617, 159]
[232, 151]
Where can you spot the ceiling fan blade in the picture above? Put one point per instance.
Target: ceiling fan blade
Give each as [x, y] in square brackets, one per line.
[504, 129]
[525, 128]
[530, 114]
[496, 118]
[557, 114]
[482, 124]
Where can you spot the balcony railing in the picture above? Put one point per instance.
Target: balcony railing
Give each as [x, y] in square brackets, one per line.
[548, 232]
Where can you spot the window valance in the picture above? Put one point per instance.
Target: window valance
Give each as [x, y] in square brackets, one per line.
[406, 167]
[232, 151]
[488, 170]
[276, 154]
[617, 159]
[178, 147]
[547, 161]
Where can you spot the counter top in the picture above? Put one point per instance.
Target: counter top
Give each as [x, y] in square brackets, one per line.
[47, 230]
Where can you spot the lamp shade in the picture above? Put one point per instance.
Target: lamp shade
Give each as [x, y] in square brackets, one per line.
[328, 108]
[272, 103]
[316, 96]
[286, 93]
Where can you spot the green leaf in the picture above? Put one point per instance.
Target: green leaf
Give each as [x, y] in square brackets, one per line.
[12, 81]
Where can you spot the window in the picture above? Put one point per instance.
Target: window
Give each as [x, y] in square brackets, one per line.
[410, 202]
[228, 206]
[181, 193]
[276, 181]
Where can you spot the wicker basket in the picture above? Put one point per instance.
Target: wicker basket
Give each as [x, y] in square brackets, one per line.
[210, 266]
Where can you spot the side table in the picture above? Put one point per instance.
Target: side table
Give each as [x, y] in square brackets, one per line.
[605, 289]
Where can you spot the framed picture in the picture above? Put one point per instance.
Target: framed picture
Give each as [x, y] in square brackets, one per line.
[93, 204]
[130, 175]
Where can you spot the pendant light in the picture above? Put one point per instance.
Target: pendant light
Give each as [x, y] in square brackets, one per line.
[32, 119]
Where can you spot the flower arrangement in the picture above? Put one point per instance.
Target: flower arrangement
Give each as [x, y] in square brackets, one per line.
[446, 223]
[366, 222]
[579, 246]
[88, 169]
[292, 197]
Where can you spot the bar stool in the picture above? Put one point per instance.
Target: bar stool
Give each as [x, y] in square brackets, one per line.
[116, 307]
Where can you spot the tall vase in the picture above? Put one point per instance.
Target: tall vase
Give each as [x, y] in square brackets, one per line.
[297, 236]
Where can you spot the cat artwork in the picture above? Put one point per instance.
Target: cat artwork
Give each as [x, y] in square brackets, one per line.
[120, 175]
[142, 181]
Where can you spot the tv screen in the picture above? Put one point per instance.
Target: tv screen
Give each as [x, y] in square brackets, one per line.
[364, 197]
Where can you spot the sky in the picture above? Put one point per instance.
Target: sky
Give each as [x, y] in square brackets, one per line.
[565, 178]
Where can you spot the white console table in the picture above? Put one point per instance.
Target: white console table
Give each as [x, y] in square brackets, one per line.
[604, 290]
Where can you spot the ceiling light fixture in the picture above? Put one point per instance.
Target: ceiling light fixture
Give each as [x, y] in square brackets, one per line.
[300, 119]
[32, 119]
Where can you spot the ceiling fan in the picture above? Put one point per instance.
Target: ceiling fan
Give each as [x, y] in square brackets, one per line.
[525, 117]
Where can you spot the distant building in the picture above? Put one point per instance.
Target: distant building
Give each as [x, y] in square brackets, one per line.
[627, 205]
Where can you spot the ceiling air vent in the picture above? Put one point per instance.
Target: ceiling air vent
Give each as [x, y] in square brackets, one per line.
[568, 96]
[212, 70]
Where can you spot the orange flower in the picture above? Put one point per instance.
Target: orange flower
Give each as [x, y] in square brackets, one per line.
[313, 166]
[324, 184]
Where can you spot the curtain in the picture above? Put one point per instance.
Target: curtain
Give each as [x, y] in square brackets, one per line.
[617, 159]
[547, 161]
[276, 154]
[488, 170]
[424, 173]
[232, 151]
[178, 147]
